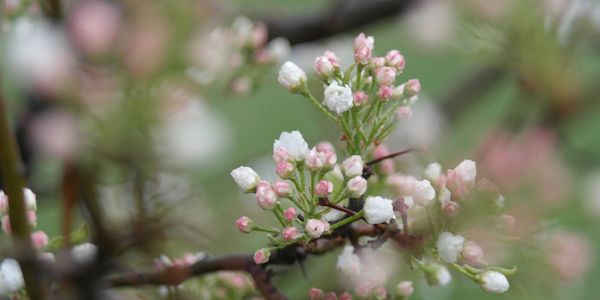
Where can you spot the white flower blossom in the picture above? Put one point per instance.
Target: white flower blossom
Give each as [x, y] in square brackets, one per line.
[449, 246]
[423, 192]
[245, 178]
[279, 48]
[494, 282]
[11, 277]
[30, 199]
[433, 171]
[467, 170]
[84, 253]
[378, 210]
[338, 98]
[293, 143]
[348, 262]
[353, 166]
[291, 76]
[438, 275]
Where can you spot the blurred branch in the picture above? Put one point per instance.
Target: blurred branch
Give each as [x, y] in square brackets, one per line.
[10, 167]
[52, 9]
[342, 16]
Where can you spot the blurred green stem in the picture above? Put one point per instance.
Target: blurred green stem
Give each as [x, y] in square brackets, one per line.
[348, 220]
[10, 164]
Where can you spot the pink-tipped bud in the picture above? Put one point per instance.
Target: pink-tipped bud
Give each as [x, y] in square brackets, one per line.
[385, 92]
[357, 186]
[333, 59]
[315, 160]
[325, 146]
[450, 208]
[360, 98]
[314, 228]
[289, 214]
[290, 233]
[329, 151]
[3, 202]
[404, 112]
[363, 48]
[39, 239]
[377, 62]
[394, 59]
[412, 87]
[472, 254]
[31, 218]
[315, 294]
[330, 296]
[324, 188]
[385, 76]
[262, 256]
[404, 289]
[323, 67]
[266, 197]
[244, 224]
[284, 169]
[352, 166]
[281, 155]
[282, 188]
[345, 296]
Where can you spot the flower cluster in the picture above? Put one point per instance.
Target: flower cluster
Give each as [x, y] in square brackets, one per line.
[363, 99]
[315, 195]
[38, 238]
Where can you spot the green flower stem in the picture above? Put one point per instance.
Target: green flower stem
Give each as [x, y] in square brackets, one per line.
[368, 114]
[359, 69]
[348, 134]
[300, 195]
[306, 93]
[13, 184]
[279, 217]
[265, 229]
[433, 233]
[504, 271]
[339, 197]
[465, 272]
[349, 220]
[358, 127]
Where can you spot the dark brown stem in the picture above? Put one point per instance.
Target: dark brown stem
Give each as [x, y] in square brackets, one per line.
[325, 202]
[376, 161]
[10, 166]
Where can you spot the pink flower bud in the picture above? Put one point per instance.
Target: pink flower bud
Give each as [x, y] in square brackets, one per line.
[323, 67]
[333, 59]
[324, 188]
[472, 254]
[282, 188]
[284, 169]
[357, 186]
[329, 152]
[244, 224]
[94, 26]
[315, 294]
[261, 256]
[377, 62]
[345, 296]
[404, 289]
[315, 160]
[404, 112]
[281, 155]
[330, 296]
[314, 228]
[385, 76]
[241, 85]
[394, 59]
[450, 208]
[259, 35]
[290, 233]
[289, 214]
[352, 166]
[325, 146]
[266, 197]
[385, 92]
[39, 239]
[3, 203]
[364, 289]
[363, 48]
[360, 98]
[412, 87]
[387, 166]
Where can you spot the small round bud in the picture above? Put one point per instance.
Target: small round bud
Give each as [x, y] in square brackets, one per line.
[394, 59]
[262, 256]
[353, 166]
[291, 77]
[404, 289]
[348, 262]
[449, 246]
[333, 59]
[314, 228]
[450, 208]
[412, 87]
[39, 239]
[244, 224]
[472, 254]
[404, 112]
[360, 98]
[245, 178]
[315, 160]
[385, 92]
[289, 214]
[385, 76]
[323, 67]
[494, 282]
[363, 48]
[338, 98]
[281, 155]
[315, 294]
[290, 233]
[423, 192]
[323, 188]
[357, 186]
[436, 274]
[284, 169]
[282, 188]
[345, 296]
[330, 296]
[266, 197]
[30, 199]
[378, 210]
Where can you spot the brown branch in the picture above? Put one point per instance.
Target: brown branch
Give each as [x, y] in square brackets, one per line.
[344, 15]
